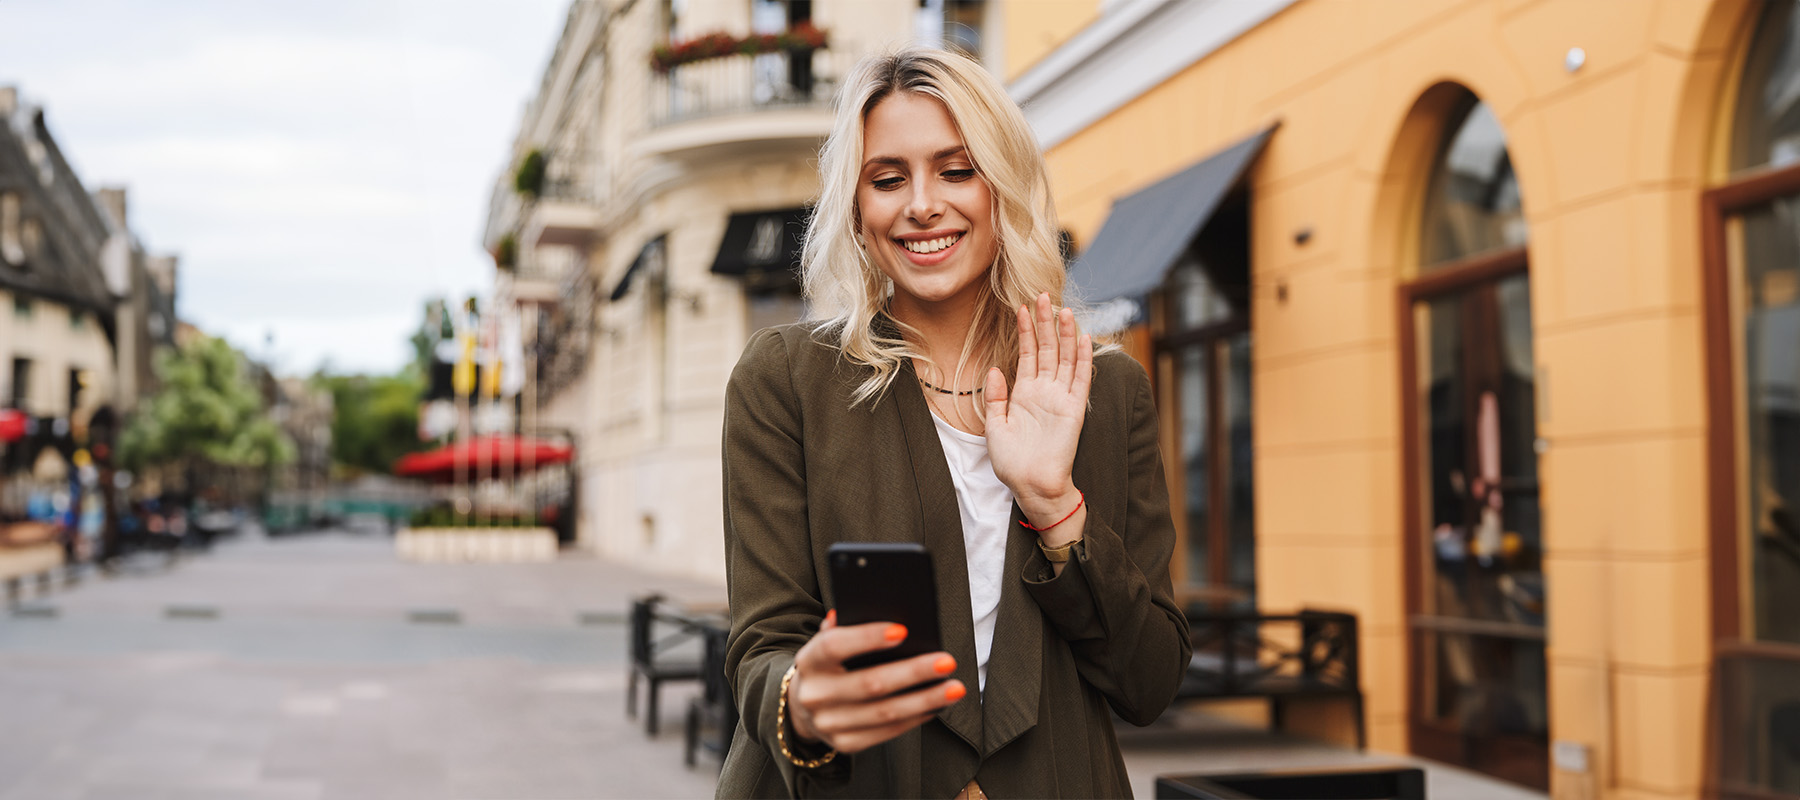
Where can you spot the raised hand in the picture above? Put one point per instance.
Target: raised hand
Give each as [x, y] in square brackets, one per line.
[1033, 429]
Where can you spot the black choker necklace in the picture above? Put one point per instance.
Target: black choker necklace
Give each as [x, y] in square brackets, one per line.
[926, 384]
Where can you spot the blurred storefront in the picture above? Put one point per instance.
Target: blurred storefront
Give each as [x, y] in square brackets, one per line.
[83, 307]
[1477, 319]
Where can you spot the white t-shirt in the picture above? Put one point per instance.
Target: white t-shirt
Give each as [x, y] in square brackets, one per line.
[986, 508]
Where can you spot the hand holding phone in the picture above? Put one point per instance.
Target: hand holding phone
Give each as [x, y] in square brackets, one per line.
[874, 670]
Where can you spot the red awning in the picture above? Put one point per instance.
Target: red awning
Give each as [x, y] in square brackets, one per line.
[482, 456]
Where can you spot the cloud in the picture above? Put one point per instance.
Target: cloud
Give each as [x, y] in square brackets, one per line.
[321, 168]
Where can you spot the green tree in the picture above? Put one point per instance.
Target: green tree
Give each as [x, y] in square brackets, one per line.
[207, 411]
[376, 418]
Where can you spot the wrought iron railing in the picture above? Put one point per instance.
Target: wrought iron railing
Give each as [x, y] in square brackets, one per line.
[1278, 656]
[745, 83]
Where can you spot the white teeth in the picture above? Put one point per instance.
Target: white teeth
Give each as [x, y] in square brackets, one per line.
[931, 245]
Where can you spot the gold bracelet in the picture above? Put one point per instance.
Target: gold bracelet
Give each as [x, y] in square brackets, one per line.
[781, 725]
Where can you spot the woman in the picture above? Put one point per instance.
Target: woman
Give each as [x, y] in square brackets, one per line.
[943, 400]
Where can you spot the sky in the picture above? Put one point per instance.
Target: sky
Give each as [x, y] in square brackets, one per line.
[321, 168]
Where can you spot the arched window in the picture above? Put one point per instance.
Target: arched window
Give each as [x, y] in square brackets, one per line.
[1753, 317]
[1765, 130]
[1475, 544]
[1473, 204]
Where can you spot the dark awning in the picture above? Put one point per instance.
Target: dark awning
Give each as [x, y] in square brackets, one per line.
[1147, 231]
[648, 258]
[763, 247]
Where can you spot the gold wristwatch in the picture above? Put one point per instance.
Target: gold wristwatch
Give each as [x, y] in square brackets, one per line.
[1058, 555]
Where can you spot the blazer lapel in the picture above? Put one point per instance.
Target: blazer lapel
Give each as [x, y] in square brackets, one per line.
[942, 534]
[1016, 662]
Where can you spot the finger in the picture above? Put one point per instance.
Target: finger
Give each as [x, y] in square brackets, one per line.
[830, 621]
[1046, 338]
[827, 649]
[1065, 346]
[1084, 368]
[840, 720]
[860, 740]
[995, 392]
[1027, 343]
[878, 682]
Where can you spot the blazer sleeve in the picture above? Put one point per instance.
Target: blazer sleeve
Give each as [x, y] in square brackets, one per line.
[773, 589]
[1114, 602]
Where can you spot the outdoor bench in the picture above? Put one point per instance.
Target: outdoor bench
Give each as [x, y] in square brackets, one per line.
[1280, 657]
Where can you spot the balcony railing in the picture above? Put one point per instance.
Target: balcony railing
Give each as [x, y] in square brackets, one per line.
[744, 83]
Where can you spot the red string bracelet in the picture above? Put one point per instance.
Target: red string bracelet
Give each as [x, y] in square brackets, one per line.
[1078, 505]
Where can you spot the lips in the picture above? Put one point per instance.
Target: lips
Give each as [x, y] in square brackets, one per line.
[928, 246]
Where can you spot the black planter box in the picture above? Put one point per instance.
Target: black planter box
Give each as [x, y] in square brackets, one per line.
[1350, 783]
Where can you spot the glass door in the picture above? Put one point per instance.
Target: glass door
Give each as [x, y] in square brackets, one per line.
[1478, 623]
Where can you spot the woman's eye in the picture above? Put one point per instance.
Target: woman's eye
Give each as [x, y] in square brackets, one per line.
[887, 183]
[959, 174]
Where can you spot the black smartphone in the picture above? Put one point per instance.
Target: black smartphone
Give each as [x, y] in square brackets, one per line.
[886, 582]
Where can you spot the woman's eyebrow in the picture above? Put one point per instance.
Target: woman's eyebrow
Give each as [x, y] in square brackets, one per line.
[901, 162]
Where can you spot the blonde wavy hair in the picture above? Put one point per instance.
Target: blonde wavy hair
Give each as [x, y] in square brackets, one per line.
[846, 290]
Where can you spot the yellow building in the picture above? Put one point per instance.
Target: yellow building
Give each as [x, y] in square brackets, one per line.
[1477, 318]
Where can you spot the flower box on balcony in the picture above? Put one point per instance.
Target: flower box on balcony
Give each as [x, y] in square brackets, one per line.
[802, 38]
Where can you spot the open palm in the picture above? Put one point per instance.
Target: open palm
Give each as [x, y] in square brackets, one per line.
[1032, 431]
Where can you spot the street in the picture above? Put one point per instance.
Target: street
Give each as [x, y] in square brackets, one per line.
[320, 667]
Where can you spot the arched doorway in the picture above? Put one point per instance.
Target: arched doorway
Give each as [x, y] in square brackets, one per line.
[1475, 593]
[1752, 234]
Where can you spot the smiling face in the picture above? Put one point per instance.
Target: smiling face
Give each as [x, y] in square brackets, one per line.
[927, 215]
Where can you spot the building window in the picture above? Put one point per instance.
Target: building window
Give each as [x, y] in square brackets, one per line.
[962, 25]
[21, 307]
[76, 384]
[77, 320]
[1203, 352]
[1752, 316]
[1762, 283]
[21, 383]
[952, 24]
[31, 237]
[12, 237]
[782, 77]
[1475, 539]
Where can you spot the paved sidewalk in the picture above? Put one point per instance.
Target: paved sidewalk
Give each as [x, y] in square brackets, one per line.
[320, 667]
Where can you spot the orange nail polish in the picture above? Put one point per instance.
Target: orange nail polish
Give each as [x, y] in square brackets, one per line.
[955, 693]
[945, 665]
[895, 633]
[831, 616]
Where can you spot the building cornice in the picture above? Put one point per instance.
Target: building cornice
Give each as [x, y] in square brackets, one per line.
[1132, 47]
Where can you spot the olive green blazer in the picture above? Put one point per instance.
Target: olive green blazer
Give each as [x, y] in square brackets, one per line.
[803, 470]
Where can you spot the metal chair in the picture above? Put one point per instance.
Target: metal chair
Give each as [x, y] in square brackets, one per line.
[649, 658]
[715, 707]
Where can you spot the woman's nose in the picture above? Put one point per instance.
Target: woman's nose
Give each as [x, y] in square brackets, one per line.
[925, 203]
